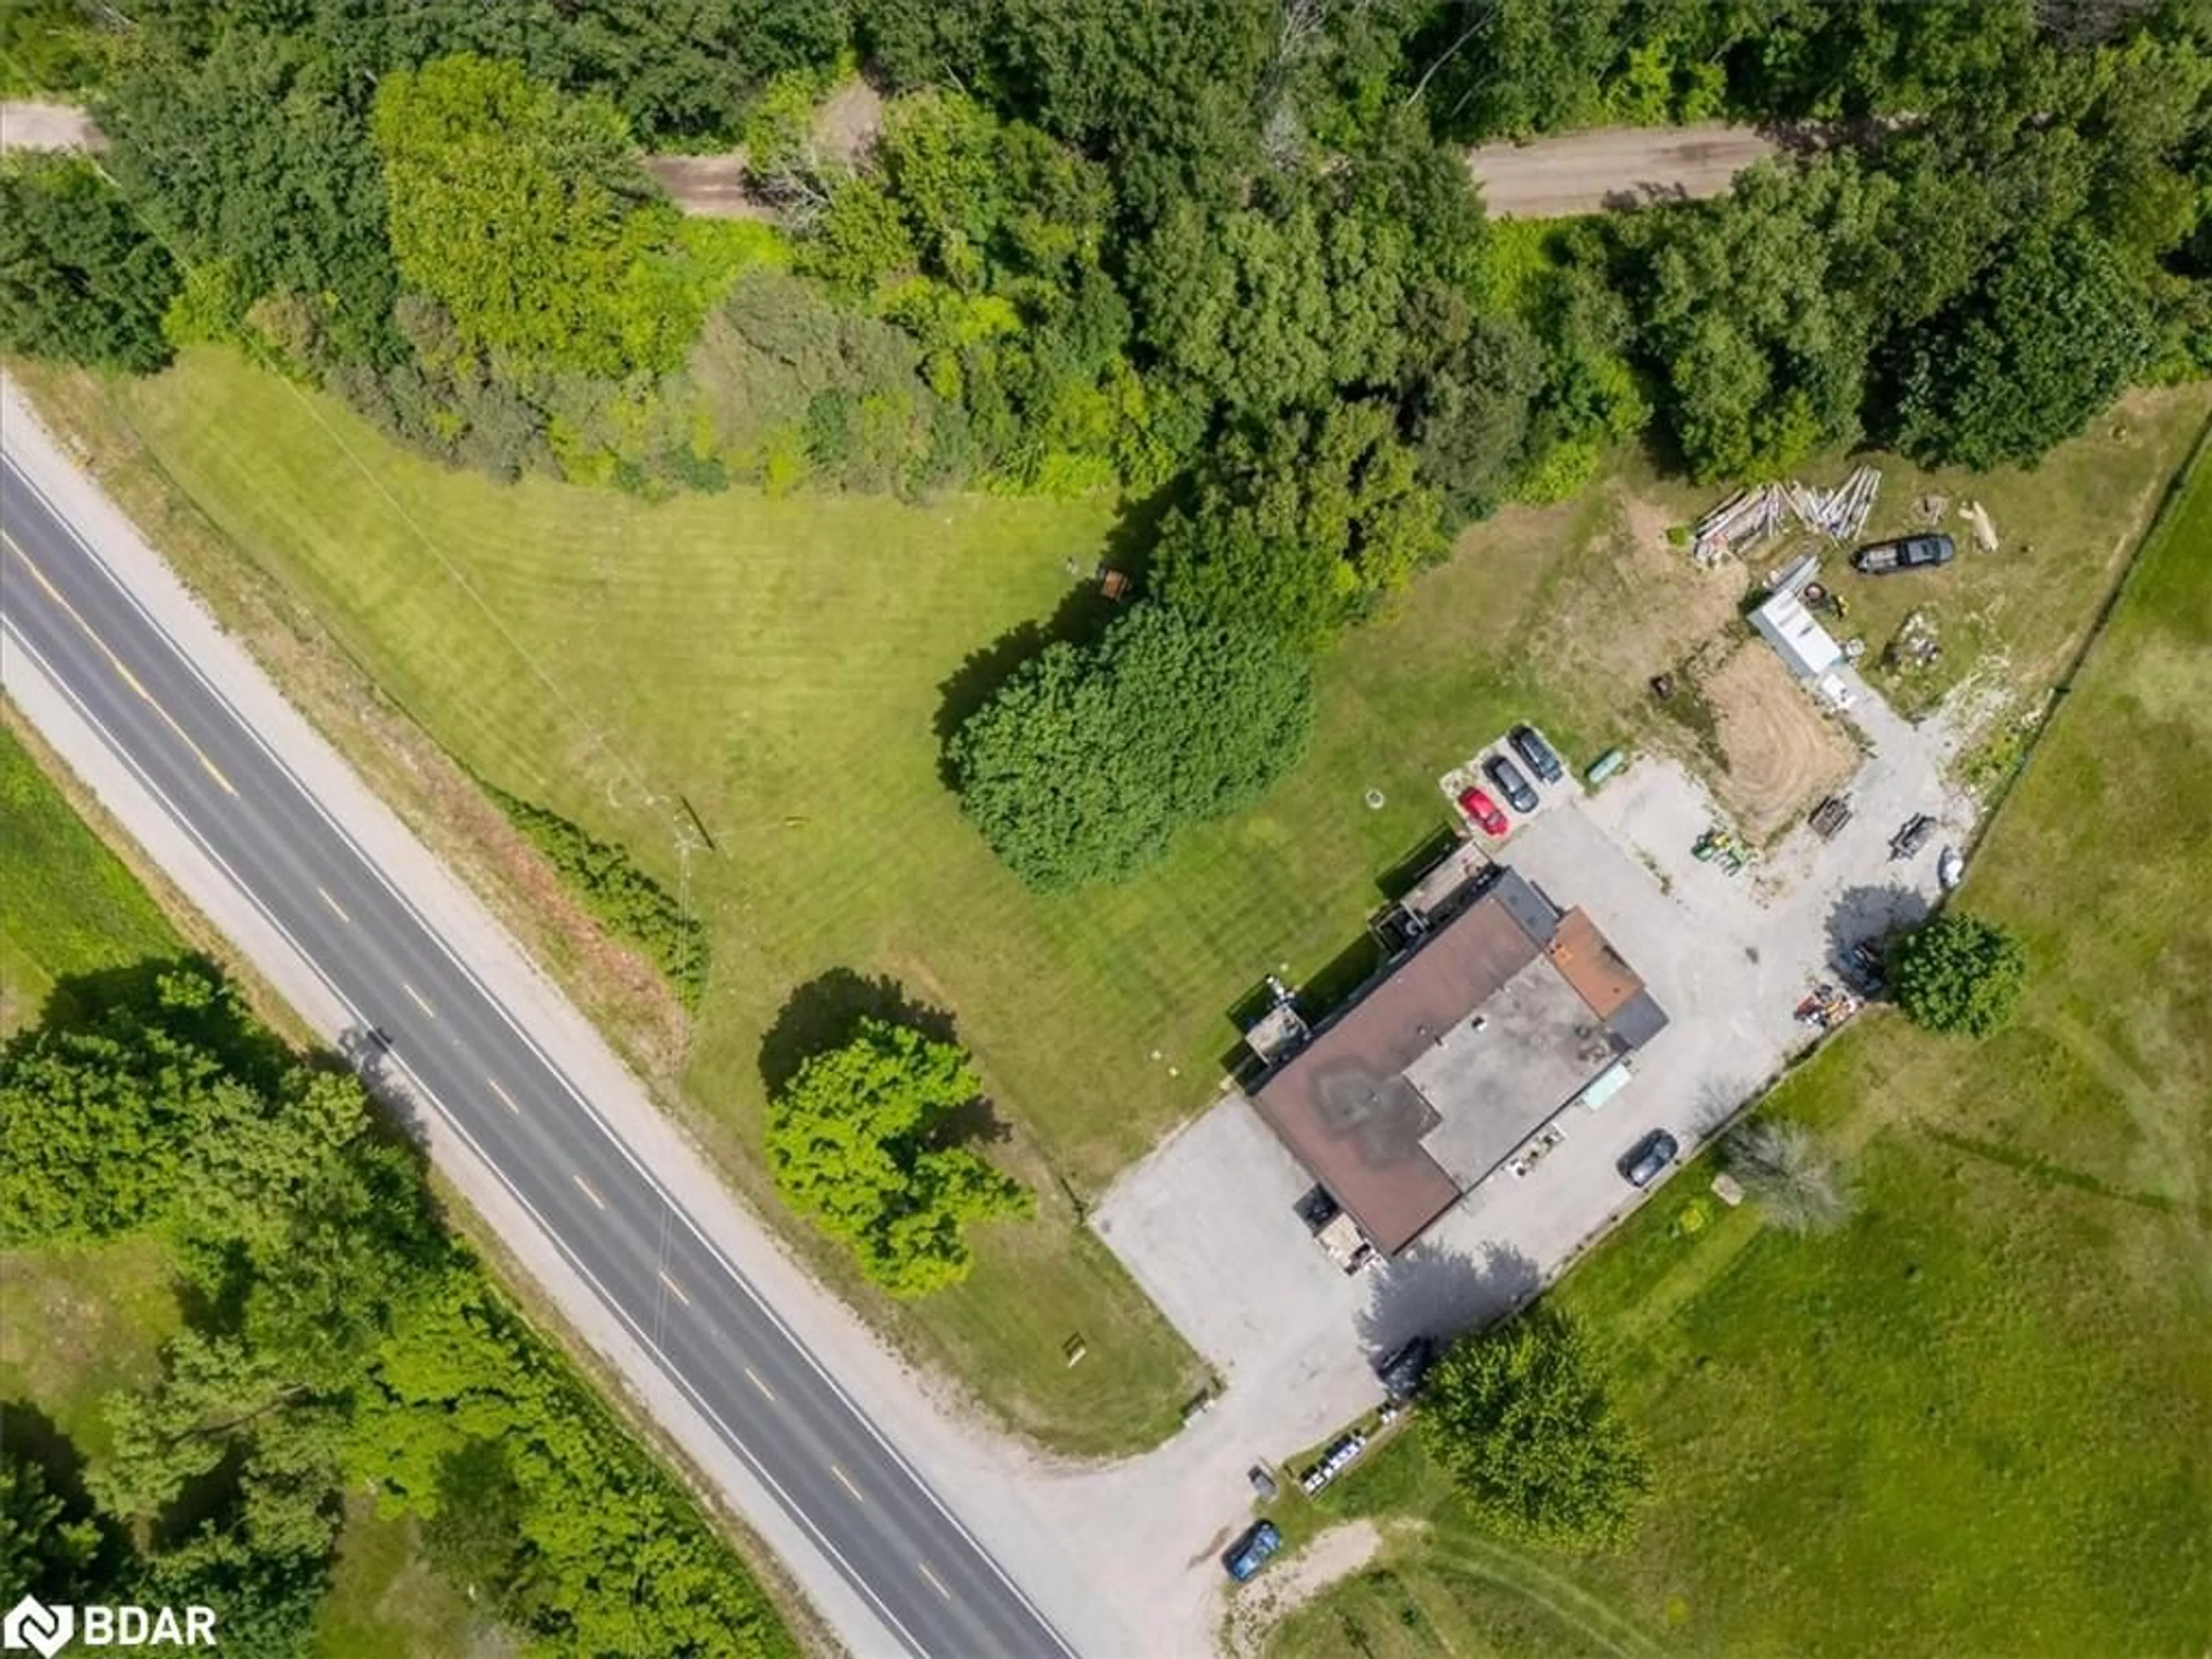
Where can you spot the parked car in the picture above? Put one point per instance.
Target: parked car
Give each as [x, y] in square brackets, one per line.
[1510, 783]
[1536, 755]
[1906, 553]
[1483, 809]
[1263, 1483]
[1864, 968]
[1402, 1370]
[1647, 1160]
[1253, 1551]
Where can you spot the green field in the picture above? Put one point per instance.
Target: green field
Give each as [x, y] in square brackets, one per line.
[81, 1323]
[1976, 1421]
[67, 907]
[781, 665]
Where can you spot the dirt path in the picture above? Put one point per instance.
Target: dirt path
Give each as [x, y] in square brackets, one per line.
[716, 187]
[1552, 177]
[711, 186]
[47, 126]
[1614, 167]
[1574, 173]
[1337, 1554]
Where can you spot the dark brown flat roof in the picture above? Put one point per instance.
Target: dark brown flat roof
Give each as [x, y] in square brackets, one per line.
[1343, 1106]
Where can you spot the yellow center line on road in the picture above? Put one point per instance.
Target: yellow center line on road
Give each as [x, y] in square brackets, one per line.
[416, 997]
[753, 1377]
[935, 1583]
[585, 1187]
[846, 1481]
[336, 909]
[505, 1098]
[675, 1290]
[115, 662]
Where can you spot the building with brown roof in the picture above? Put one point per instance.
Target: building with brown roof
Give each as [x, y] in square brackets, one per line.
[1460, 1051]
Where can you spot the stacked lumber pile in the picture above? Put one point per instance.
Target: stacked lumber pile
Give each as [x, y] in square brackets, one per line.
[1753, 516]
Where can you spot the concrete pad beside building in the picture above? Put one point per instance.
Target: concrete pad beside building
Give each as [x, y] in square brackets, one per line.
[1207, 1223]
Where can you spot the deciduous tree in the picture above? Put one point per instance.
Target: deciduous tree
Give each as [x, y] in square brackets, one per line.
[253, 150]
[1088, 760]
[1270, 312]
[526, 214]
[1467, 391]
[1302, 526]
[1758, 314]
[856, 1143]
[80, 280]
[2052, 332]
[1521, 1418]
[1957, 974]
[1796, 1180]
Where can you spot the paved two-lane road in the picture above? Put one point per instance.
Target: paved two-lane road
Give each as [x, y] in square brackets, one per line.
[461, 1051]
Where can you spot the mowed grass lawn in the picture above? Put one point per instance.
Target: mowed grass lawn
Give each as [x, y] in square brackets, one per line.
[76, 1325]
[783, 667]
[1978, 1420]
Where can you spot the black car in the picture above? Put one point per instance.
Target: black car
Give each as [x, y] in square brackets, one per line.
[1401, 1371]
[1536, 754]
[1906, 553]
[1510, 783]
[1647, 1160]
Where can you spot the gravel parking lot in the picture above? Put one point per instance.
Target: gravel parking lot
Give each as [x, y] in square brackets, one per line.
[1207, 1222]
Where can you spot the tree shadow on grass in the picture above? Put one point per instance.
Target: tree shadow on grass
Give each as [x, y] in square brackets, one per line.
[1442, 1294]
[1081, 617]
[824, 1013]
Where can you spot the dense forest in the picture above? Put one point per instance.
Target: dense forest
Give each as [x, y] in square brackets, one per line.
[336, 1338]
[1223, 254]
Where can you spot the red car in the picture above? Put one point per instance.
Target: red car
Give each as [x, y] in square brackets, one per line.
[1483, 809]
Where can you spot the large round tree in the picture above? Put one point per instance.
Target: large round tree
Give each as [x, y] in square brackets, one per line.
[856, 1140]
[1087, 763]
[1521, 1417]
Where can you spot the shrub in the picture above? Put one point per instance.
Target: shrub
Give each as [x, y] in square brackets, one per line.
[630, 904]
